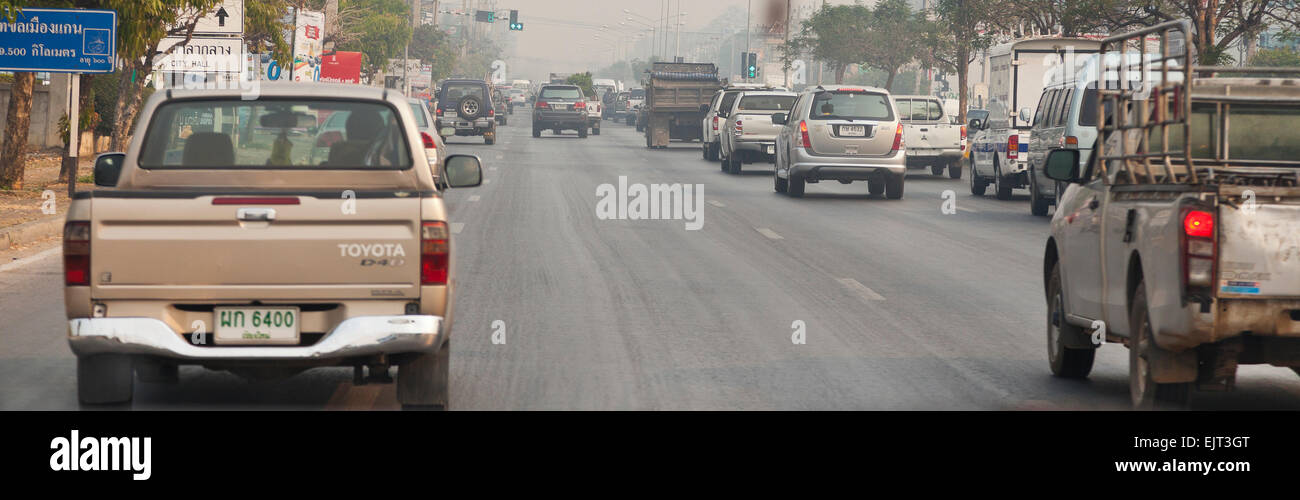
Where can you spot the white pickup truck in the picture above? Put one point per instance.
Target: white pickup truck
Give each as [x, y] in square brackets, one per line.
[749, 134]
[933, 139]
[1180, 236]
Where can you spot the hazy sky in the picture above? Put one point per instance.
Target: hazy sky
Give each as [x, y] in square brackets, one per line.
[560, 35]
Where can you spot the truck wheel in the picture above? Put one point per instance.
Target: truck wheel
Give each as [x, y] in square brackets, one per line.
[423, 379]
[894, 186]
[1066, 362]
[936, 169]
[795, 189]
[1145, 393]
[735, 166]
[1037, 204]
[1001, 189]
[582, 133]
[954, 170]
[490, 139]
[875, 187]
[537, 132]
[779, 184]
[977, 184]
[595, 131]
[104, 379]
[713, 151]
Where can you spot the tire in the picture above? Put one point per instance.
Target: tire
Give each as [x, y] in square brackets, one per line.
[582, 133]
[1143, 392]
[780, 185]
[894, 186]
[1065, 362]
[648, 144]
[490, 140]
[537, 132]
[469, 108]
[954, 170]
[796, 186]
[978, 185]
[1001, 190]
[734, 165]
[1037, 204]
[423, 380]
[105, 379]
[595, 131]
[505, 121]
[936, 170]
[875, 187]
[712, 151]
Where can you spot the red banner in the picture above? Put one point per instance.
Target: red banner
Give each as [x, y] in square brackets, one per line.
[341, 67]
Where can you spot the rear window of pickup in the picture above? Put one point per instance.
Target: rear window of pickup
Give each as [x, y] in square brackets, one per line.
[275, 134]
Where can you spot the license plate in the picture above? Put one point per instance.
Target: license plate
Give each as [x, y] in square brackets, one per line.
[853, 130]
[770, 149]
[255, 325]
[449, 131]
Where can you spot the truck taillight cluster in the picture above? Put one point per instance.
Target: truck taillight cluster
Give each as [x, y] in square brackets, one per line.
[898, 140]
[740, 127]
[580, 105]
[1013, 147]
[715, 123]
[76, 254]
[1198, 248]
[543, 105]
[434, 253]
[963, 138]
[429, 143]
[803, 132]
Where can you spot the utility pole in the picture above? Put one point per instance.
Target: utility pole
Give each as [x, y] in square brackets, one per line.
[677, 48]
[788, 21]
[744, 71]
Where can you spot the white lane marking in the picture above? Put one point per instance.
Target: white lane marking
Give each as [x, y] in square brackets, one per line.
[770, 234]
[501, 157]
[31, 259]
[865, 293]
[487, 181]
[716, 204]
[964, 209]
[492, 168]
[456, 227]
[473, 198]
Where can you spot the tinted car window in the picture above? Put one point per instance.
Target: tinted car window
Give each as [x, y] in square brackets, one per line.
[417, 109]
[919, 109]
[455, 91]
[638, 93]
[858, 105]
[561, 93]
[728, 99]
[1041, 113]
[766, 102]
[1063, 108]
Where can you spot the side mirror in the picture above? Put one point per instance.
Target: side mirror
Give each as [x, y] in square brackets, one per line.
[779, 118]
[108, 167]
[1026, 115]
[974, 124]
[704, 108]
[464, 171]
[1063, 165]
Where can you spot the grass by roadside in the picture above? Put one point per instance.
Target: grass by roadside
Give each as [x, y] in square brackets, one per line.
[24, 205]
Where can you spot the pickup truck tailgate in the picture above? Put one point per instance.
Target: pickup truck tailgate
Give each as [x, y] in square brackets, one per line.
[931, 136]
[1260, 251]
[310, 248]
[758, 126]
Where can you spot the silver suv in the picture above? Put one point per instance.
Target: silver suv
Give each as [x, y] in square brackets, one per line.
[840, 133]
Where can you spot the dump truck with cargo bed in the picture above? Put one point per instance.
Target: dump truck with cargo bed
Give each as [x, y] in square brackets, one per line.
[677, 97]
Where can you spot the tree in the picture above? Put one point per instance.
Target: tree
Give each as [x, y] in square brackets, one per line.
[378, 29]
[1276, 58]
[265, 30]
[893, 39]
[583, 81]
[828, 34]
[142, 24]
[1066, 17]
[1216, 24]
[432, 46]
[13, 158]
[956, 36]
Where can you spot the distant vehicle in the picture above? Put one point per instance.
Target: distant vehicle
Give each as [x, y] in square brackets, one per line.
[720, 104]
[635, 99]
[620, 108]
[560, 78]
[677, 96]
[595, 114]
[974, 117]
[999, 149]
[749, 135]
[466, 109]
[297, 299]
[932, 138]
[501, 108]
[434, 148]
[518, 97]
[1178, 237]
[560, 108]
[841, 133]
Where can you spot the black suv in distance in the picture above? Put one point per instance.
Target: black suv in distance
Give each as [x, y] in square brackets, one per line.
[560, 107]
[465, 108]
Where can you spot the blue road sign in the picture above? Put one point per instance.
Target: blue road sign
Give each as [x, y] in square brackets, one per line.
[59, 41]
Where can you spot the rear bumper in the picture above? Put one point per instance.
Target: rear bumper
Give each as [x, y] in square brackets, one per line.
[355, 337]
[1176, 327]
[560, 120]
[853, 168]
[463, 127]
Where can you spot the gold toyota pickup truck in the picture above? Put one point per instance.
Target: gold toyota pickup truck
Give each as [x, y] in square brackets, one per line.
[245, 235]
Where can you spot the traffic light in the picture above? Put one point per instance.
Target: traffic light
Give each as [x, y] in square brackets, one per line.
[751, 70]
[485, 16]
[515, 25]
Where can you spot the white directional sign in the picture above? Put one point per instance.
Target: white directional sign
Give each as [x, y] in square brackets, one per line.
[202, 55]
[227, 18]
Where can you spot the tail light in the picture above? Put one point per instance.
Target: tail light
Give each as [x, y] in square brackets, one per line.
[715, 124]
[579, 105]
[428, 141]
[434, 253]
[803, 132]
[437, 111]
[740, 127]
[1013, 147]
[963, 138]
[1072, 141]
[898, 139]
[543, 105]
[1198, 249]
[76, 254]
[492, 112]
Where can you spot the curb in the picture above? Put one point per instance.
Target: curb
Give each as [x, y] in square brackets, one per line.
[31, 231]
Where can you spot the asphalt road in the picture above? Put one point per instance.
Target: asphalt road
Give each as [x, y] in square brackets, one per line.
[902, 307]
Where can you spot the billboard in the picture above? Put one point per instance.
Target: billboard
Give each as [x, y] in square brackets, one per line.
[309, 33]
[341, 67]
